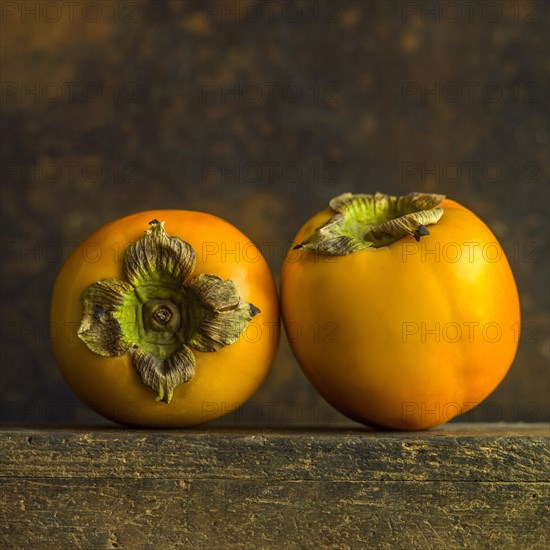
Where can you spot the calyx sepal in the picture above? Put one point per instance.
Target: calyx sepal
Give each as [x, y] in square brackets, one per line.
[161, 311]
[373, 221]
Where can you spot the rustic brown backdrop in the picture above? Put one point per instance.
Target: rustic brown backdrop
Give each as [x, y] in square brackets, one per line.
[260, 113]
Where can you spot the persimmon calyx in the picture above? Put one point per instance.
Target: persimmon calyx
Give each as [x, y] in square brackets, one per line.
[160, 312]
[373, 221]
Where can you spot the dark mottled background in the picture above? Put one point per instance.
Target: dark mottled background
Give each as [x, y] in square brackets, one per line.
[260, 114]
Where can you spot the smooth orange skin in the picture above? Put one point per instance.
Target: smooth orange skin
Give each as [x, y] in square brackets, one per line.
[224, 380]
[355, 322]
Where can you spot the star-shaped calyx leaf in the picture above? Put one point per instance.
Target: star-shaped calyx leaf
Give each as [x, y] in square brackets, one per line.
[160, 312]
[373, 221]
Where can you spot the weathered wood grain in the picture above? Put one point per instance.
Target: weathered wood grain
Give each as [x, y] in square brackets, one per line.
[461, 486]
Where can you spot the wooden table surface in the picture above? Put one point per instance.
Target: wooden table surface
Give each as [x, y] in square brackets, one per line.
[458, 486]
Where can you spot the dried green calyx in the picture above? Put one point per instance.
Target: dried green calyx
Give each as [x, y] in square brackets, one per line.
[160, 312]
[373, 221]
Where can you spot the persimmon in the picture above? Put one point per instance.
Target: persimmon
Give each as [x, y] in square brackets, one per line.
[402, 311]
[166, 318]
